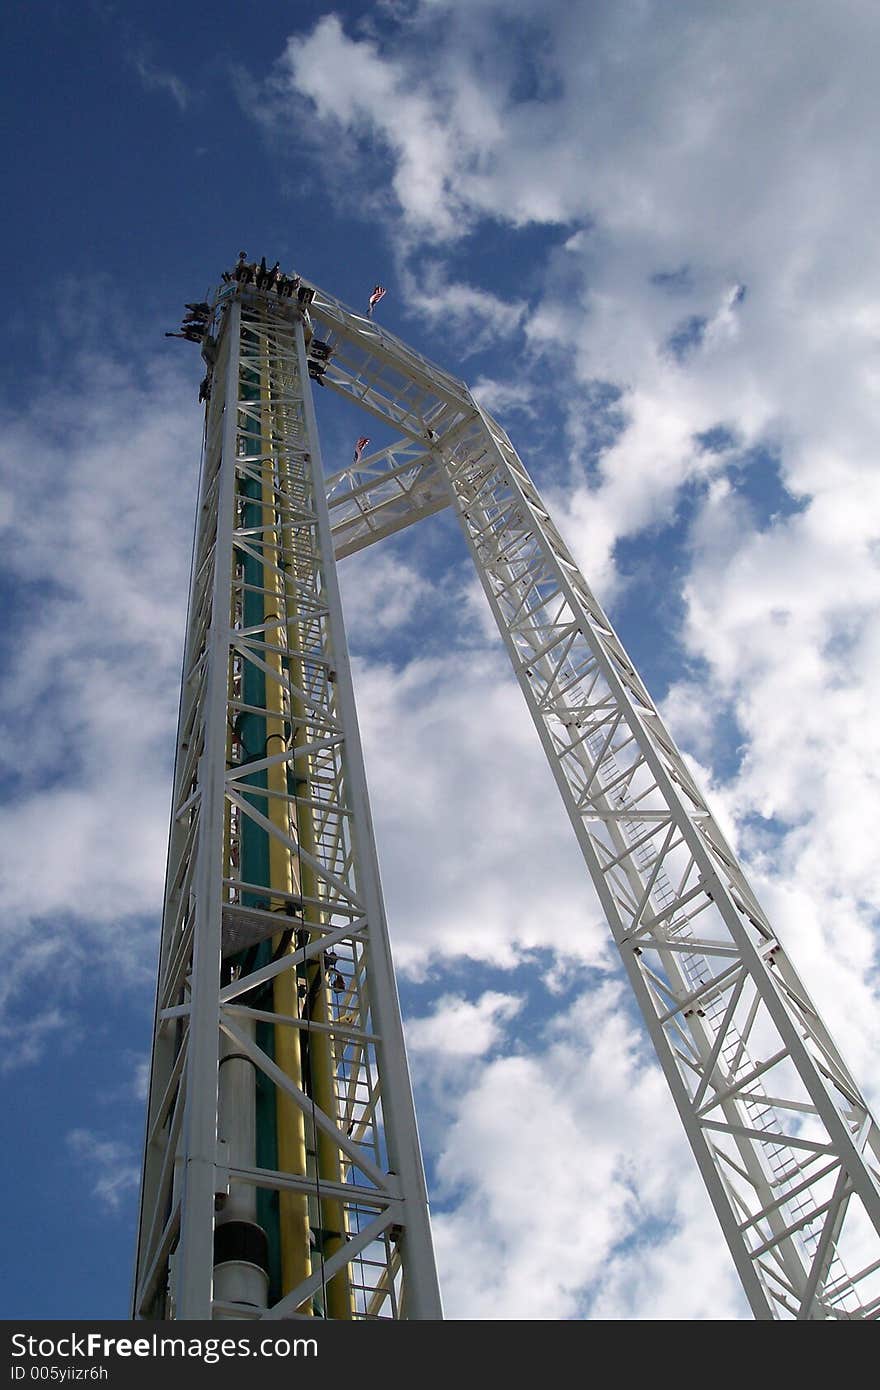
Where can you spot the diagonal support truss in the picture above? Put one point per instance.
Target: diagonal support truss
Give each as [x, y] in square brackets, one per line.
[781, 1132]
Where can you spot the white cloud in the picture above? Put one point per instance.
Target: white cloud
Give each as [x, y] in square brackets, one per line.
[352, 86]
[474, 316]
[100, 482]
[503, 396]
[645, 112]
[140, 1083]
[381, 593]
[680, 142]
[551, 1161]
[25, 1039]
[110, 1165]
[478, 859]
[158, 79]
[787, 620]
[457, 1028]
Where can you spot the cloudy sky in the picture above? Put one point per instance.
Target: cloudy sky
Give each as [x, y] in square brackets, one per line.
[646, 235]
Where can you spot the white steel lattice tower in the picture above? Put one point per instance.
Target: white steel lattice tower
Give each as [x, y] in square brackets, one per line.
[282, 1173]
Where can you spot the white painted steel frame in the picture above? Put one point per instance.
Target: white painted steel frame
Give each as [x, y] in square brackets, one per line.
[387, 1251]
[394, 486]
[782, 1135]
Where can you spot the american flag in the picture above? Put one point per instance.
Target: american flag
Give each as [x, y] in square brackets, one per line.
[378, 291]
[359, 447]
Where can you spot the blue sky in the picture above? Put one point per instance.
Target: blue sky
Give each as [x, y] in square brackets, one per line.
[645, 237]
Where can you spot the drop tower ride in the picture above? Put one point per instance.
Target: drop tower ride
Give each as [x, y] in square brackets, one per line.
[282, 1172]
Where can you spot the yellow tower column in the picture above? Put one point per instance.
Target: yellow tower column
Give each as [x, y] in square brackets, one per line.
[322, 1065]
[292, 1156]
